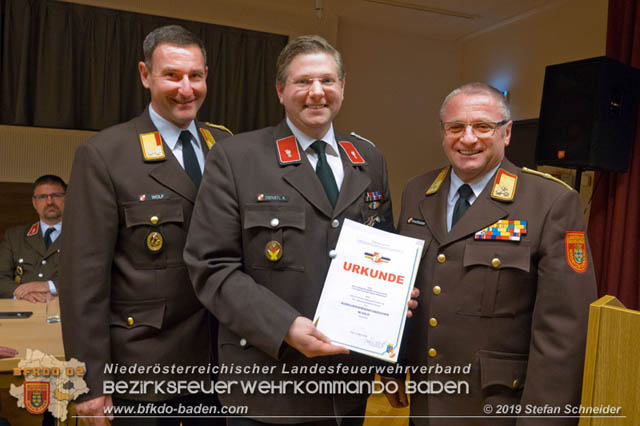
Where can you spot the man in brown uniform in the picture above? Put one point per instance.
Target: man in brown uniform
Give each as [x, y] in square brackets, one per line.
[125, 293]
[29, 254]
[506, 276]
[263, 233]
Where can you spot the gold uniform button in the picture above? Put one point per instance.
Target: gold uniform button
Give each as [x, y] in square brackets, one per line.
[433, 322]
[154, 220]
[437, 290]
[441, 258]
[432, 352]
[495, 262]
[130, 321]
[515, 383]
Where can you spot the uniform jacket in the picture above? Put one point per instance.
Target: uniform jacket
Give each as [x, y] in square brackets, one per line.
[121, 302]
[515, 311]
[24, 258]
[249, 197]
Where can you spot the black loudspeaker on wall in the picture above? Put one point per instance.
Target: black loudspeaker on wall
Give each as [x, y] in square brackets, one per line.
[588, 114]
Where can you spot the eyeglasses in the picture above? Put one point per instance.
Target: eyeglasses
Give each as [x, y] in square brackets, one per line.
[54, 196]
[306, 83]
[481, 129]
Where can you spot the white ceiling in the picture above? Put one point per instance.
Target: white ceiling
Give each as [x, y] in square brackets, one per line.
[436, 19]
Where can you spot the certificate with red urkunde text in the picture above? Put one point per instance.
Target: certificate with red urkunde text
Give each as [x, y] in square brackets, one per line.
[363, 305]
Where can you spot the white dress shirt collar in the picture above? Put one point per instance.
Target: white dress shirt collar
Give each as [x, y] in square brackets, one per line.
[54, 234]
[476, 186]
[305, 141]
[169, 132]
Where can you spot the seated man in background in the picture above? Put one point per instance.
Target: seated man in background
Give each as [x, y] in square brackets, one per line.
[29, 253]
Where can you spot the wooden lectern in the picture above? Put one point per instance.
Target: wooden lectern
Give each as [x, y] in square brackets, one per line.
[612, 363]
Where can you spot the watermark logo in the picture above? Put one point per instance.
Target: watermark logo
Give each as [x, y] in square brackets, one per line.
[48, 383]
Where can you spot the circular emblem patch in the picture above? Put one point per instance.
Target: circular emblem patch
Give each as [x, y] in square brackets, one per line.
[273, 250]
[155, 241]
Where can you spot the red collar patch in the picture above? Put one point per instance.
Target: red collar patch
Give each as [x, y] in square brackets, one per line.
[288, 152]
[352, 153]
[34, 229]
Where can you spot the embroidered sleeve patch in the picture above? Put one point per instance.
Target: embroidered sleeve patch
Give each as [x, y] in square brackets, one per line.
[576, 250]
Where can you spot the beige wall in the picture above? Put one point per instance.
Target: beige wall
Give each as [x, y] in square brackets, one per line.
[514, 56]
[392, 97]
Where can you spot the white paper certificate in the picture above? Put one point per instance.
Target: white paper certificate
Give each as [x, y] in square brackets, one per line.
[363, 305]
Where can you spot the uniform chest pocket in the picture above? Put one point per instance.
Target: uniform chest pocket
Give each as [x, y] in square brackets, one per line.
[274, 236]
[154, 233]
[496, 273]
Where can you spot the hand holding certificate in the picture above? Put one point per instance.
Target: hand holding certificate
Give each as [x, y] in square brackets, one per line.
[363, 304]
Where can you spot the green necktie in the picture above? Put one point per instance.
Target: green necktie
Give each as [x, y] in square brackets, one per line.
[324, 173]
[462, 205]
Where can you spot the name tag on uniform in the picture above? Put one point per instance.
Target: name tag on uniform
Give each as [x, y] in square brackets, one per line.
[414, 221]
[272, 197]
[153, 197]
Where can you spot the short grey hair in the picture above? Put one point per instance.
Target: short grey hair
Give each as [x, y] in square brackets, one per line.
[171, 34]
[304, 45]
[478, 88]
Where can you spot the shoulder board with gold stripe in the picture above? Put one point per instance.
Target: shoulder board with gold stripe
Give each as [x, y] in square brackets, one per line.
[352, 153]
[219, 126]
[436, 183]
[547, 176]
[208, 137]
[33, 230]
[504, 186]
[151, 144]
[288, 152]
